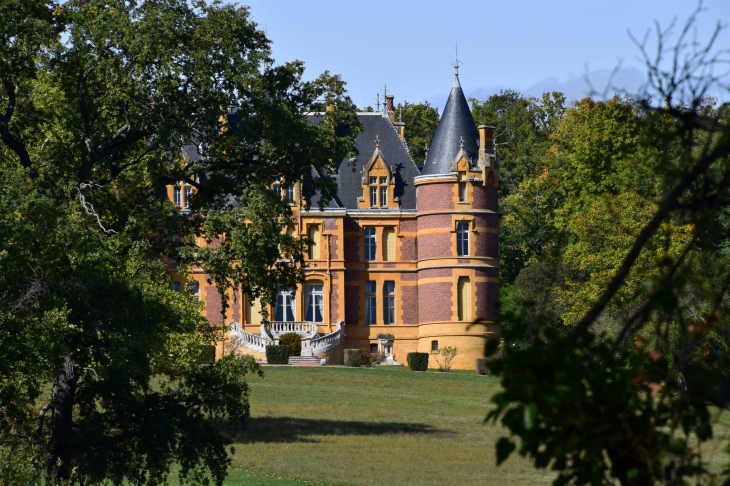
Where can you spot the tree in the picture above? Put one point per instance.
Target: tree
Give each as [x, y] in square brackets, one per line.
[633, 406]
[421, 120]
[105, 104]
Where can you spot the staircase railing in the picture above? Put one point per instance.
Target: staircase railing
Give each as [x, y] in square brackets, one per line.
[303, 328]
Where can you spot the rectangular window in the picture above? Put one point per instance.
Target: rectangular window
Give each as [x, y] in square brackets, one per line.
[383, 181]
[188, 193]
[277, 190]
[195, 289]
[314, 245]
[462, 239]
[253, 312]
[177, 197]
[373, 348]
[373, 181]
[314, 297]
[290, 193]
[462, 191]
[383, 196]
[370, 244]
[175, 286]
[285, 303]
[464, 297]
[371, 306]
[434, 345]
[389, 302]
[373, 196]
[389, 244]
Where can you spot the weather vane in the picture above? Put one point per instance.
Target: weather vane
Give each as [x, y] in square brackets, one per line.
[457, 63]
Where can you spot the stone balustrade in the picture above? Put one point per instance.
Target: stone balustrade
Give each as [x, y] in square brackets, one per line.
[303, 328]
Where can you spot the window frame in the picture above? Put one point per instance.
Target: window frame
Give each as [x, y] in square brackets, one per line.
[462, 192]
[371, 303]
[388, 302]
[290, 189]
[462, 238]
[291, 306]
[371, 244]
[310, 300]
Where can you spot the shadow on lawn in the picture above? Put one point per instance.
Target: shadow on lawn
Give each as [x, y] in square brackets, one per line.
[289, 429]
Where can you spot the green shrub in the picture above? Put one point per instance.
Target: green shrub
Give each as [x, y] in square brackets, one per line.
[417, 361]
[444, 356]
[385, 336]
[482, 366]
[207, 354]
[353, 357]
[294, 341]
[277, 354]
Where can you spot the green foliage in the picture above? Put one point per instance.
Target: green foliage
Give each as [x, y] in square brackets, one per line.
[294, 341]
[277, 354]
[385, 336]
[417, 361]
[353, 357]
[207, 354]
[421, 120]
[481, 366]
[104, 103]
[444, 356]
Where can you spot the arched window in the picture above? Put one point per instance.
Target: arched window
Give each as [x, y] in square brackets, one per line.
[285, 304]
[314, 300]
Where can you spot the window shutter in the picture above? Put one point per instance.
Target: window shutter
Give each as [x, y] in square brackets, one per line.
[464, 296]
[389, 236]
[314, 236]
[253, 312]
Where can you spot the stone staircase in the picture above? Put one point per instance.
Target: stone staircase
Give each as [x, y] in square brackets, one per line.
[303, 359]
[313, 343]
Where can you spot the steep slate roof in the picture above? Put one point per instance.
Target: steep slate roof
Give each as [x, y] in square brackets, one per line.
[349, 174]
[456, 122]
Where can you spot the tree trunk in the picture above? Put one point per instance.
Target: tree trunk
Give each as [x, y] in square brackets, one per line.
[62, 399]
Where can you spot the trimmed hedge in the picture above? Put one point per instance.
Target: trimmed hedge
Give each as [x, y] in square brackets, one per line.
[277, 354]
[417, 361]
[482, 366]
[207, 354]
[294, 341]
[353, 357]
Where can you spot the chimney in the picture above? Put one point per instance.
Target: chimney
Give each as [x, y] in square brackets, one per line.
[389, 107]
[486, 139]
[400, 127]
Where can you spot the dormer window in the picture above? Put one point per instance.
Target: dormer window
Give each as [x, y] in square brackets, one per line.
[383, 192]
[373, 192]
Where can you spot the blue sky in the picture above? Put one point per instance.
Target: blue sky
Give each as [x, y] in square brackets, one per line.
[530, 46]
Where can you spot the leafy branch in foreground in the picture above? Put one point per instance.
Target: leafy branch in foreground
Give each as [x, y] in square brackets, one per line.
[635, 406]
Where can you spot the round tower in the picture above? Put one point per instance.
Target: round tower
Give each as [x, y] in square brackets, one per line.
[457, 229]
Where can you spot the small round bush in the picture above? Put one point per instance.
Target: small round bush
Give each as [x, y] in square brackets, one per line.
[277, 354]
[417, 361]
[353, 357]
[482, 366]
[294, 341]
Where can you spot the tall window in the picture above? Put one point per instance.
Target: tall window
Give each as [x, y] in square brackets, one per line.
[313, 234]
[285, 303]
[371, 303]
[253, 312]
[277, 189]
[370, 244]
[389, 302]
[389, 244]
[175, 286]
[462, 191]
[314, 300]
[177, 197]
[195, 290]
[373, 192]
[188, 193]
[383, 192]
[464, 298]
[290, 193]
[462, 239]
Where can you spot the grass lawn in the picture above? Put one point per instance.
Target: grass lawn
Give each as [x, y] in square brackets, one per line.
[360, 426]
[344, 426]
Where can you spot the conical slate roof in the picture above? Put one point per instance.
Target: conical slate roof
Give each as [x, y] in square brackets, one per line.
[455, 123]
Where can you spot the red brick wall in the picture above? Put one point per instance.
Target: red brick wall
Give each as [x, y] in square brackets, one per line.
[435, 196]
[408, 225]
[435, 221]
[408, 248]
[486, 244]
[213, 305]
[434, 245]
[409, 303]
[352, 248]
[434, 273]
[334, 304]
[484, 197]
[330, 224]
[351, 225]
[435, 302]
[333, 246]
[487, 294]
[352, 305]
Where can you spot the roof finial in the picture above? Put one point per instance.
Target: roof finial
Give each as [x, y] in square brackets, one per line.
[461, 143]
[400, 114]
[377, 142]
[457, 63]
[377, 100]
